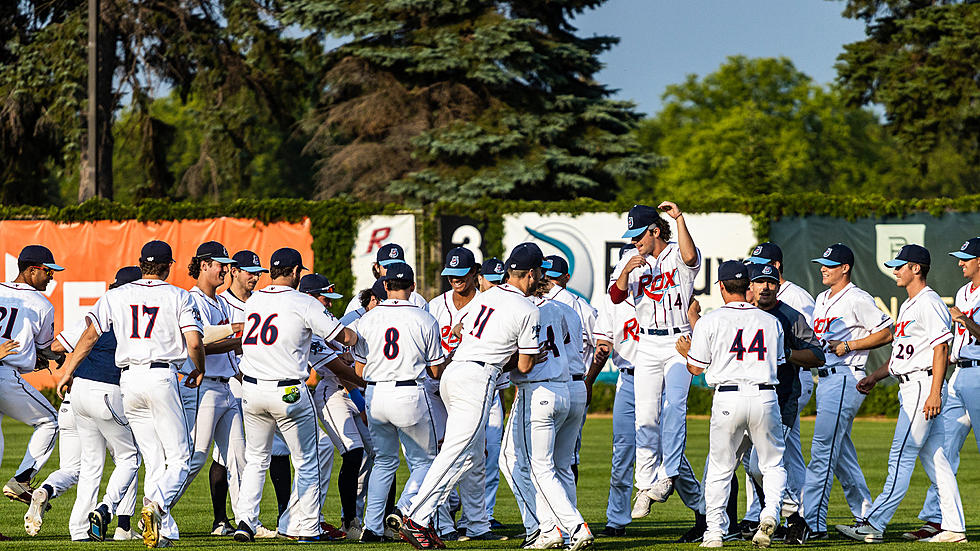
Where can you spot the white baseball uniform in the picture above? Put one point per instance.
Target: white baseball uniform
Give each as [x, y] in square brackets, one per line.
[923, 323]
[280, 323]
[569, 430]
[962, 407]
[616, 323]
[149, 318]
[661, 292]
[849, 314]
[397, 341]
[99, 423]
[501, 321]
[26, 316]
[739, 347]
[414, 298]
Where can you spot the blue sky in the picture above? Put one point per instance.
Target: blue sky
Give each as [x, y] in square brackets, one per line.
[662, 41]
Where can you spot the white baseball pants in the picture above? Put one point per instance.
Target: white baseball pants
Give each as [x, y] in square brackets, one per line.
[917, 437]
[568, 438]
[264, 410]
[832, 452]
[961, 408]
[347, 431]
[153, 407]
[69, 452]
[734, 415]
[101, 423]
[397, 414]
[21, 401]
[495, 436]
[623, 454]
[467, 389]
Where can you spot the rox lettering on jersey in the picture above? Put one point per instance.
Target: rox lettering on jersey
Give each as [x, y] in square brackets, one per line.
[822, 325]
[630, 330]
[655, 287]
[449, 340]
[900, 328]
[960, 329]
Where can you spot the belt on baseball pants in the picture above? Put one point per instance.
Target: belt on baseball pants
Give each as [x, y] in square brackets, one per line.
[153, 365]
[659, 332]
[824, 372]
[410, 382]
[968, 363]
[914, 376]
[578, 377]
[285, 382]
[627, 370]
[735, 388]
[217, 379]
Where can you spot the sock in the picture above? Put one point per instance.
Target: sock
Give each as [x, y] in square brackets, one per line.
[123, 522]
[347, 483]
[732, 508]
[281, 480]
[49, 490]
[25, 477]
[390, 505]
[575, 472]
[218, 477]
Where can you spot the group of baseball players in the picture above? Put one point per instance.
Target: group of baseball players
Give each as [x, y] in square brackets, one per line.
[156, 374]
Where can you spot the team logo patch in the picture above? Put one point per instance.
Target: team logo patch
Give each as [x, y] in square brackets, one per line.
[196, 313]
[498, 269]
[827, 252]
[255, 259]
[757, 251]
[629, 221]
[965, 245]
[767, 270]
[393, 253]
[454, 262]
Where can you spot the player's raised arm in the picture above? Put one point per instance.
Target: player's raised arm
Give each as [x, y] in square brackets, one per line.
[684, 240]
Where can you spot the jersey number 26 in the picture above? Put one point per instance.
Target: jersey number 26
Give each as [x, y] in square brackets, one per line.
[268, 334]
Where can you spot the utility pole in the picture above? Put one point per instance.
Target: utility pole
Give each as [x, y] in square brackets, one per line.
[89, 170]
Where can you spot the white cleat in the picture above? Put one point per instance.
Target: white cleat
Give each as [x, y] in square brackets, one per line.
[862, 532]
[263, 533]
[641, 504]
[947, 537]
[152, 514]
[125, 535]
[353, 528]
[35, 513]
[661, 490]
[581, 538]
[763, 536]
[552, 539]
[714, 542]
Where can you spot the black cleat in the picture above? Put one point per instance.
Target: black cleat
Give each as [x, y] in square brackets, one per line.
[368, 536]
[529, 539]
[244, 534]
[394, 520]
[612, 532]
[496, 524]
[748, 528]
[419, 536]
[98, 522]
[797, 530]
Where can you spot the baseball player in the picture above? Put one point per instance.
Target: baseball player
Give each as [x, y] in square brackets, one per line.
[849, 324]
[212, 411]
[799, 299]
[616, 339]
[387, 254]
[97, 422]
[961, 406]
[919, 355]
[659, 276]
[738, 347]
[501, 321]
[280, 322]
[491, 274]
[397, 342]
[27, 317]
[157, 327]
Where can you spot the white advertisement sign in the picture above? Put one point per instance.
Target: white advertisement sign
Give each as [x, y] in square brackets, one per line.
[591, 242]
[372, 233]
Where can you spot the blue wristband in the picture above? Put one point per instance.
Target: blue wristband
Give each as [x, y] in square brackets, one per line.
[357, 398]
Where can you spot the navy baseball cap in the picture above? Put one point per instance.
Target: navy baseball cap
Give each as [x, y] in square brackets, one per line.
[910, 253]
[214, 251]
[127, 274]
[625, 249]
[459, 262]
[639, 219]
[158, 252]
[316, 284]
[526, 256]
[558, 266]
[249, 262]
[38, 255]
[969, 250]
[378, 289]
[493, 270]
[392, 252]
[759, 272]
[399, 271]
[287, 257]
[732, 269]
[835, 255]
[765, 253]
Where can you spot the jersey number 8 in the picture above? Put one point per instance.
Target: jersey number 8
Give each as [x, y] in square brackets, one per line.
[391, 343]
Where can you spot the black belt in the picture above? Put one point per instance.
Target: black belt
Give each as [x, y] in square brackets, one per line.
[627, 370]
[286, 382]
[217, 379]
[65, 402]
[411, 382]
[153, 365]
[659, 332]
[968, 363]
[578, 377]
[823, 372]
[735, 388]
[907, 378]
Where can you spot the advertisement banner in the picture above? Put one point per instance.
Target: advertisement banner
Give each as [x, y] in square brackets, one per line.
[372, 233]
[91, 252]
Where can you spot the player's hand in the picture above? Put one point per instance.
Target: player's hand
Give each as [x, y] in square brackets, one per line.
[64, 386]
[601, 353]
[933, 405]
[588, 393]
[633, 263]
[694, 309]
[865, 385]
[837, 348]
[193, 379]
[683, 345]
[458, 330]
[541, 357]
[957, 315]
[8, 348]
[670, 208]
[238, 327]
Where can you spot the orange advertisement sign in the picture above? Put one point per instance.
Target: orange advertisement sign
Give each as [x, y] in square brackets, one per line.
[91, 252]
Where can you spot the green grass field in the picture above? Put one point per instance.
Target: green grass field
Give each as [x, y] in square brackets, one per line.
[665, 524]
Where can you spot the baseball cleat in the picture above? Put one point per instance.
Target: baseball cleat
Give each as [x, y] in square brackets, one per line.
[18, 491]
[98, 522]
[661, 490]
[368, 536]
[763, 537]
[329, 532]
[394, 520]
[552, 539]
[419, 536]
[947, 537]
[748, 528]
[125, 535]
[797, 530]
[529, 539]
[713, 542]
[582, 538]
[486, 536]
[35, 513]
[861, 532]
[353, 528]
[612, 532]
[244, 534]
[152, 514]
[641, 504]
[928, 530]
[451, 535]
[496, 524]
[222, 528]
[263, 533]
[164, 542]
[694, 534]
